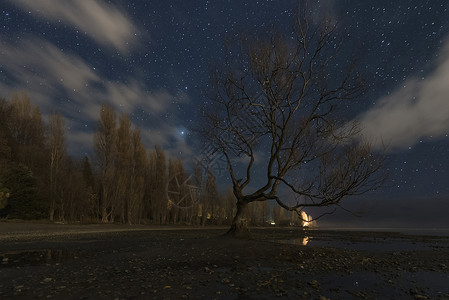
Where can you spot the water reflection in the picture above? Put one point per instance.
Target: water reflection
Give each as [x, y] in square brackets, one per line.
[363, 243]
[303, 241]
[35, 257]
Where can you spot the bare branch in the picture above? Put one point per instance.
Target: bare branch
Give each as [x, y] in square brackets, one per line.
[279, 97]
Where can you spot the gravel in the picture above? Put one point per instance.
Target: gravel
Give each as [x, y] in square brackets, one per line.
[144, 262]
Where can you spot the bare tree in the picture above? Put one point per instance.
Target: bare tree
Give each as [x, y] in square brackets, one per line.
[56, 140]
[276, 112]
[210, 199]
[137, 182]
[157, 185]
[5, 149]
[123, 167]
[27, 130]
[105, 141]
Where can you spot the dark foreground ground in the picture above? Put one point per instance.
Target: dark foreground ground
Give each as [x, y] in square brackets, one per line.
[121, 262]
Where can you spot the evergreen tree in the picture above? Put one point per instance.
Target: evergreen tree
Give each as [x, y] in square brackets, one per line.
[23, 201]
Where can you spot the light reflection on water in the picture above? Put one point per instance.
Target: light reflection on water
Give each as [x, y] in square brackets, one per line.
[305, 240]
[367, 244]
[301, 241]
[371, 239]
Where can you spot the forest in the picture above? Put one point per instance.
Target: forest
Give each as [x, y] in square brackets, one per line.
[123, 182]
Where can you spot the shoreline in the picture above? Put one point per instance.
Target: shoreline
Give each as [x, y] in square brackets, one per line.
[202, 264]
[23, 226]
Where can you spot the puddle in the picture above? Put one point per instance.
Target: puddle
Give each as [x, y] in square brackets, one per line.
[14, 259]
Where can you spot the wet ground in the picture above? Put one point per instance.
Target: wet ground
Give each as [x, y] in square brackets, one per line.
[140, 262]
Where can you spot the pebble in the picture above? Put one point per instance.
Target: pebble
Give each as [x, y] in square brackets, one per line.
[314, 283]
[309, 272]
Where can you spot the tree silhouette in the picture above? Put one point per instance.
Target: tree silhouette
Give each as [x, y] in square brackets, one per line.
[276, 110]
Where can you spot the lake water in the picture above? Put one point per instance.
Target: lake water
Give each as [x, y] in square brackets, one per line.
[372, 239]
[403, 230]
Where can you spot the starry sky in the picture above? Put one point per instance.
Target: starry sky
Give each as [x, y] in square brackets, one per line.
[151, 60]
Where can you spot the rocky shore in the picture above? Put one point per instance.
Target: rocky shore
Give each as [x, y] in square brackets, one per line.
[125, 262]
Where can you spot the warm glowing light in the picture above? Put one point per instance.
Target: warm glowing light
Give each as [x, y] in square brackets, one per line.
[306, 219]
[305, 240]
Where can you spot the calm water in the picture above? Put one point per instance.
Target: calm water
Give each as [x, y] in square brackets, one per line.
[354, 238]
[404, 230]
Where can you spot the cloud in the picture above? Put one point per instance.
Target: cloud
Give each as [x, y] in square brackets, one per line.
[420, 108]
[101, 21]
[65, 82]
[41, 68]
[127, 96]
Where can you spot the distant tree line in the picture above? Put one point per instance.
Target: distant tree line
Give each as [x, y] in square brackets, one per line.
[126, 183]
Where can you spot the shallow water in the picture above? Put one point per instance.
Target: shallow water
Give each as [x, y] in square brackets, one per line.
[367, 245]
[403, 230]
[14, 259]
[372, 239]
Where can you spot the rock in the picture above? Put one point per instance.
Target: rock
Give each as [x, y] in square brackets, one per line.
[225, 280]
[315, 284]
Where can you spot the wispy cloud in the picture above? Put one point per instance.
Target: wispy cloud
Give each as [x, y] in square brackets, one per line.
[37, 66]
[419, 108]
[101, 21]
[129, 95]
[65, 82]
[40, 67]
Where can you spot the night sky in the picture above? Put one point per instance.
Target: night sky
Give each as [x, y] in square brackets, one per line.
[151, 59]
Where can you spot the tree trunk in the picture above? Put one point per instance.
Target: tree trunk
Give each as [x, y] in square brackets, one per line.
[52, 213]
[239, 226]
[105, 215]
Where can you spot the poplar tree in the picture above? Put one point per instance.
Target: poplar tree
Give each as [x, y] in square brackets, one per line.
[105, 143]
[138, 177]
[57, 145]
[122, 167]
